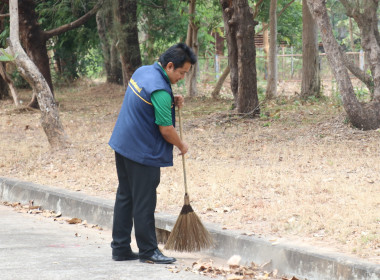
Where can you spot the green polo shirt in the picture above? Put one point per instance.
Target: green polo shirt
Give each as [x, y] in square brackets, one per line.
[162, 103]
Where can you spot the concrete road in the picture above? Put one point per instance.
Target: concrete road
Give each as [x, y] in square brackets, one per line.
[36, 247]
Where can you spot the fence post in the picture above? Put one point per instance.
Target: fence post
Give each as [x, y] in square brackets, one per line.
[217, 66]
[283, 63]
[361, 59]
[291, 62]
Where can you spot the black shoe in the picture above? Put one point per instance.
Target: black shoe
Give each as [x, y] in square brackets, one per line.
[126, 257]
[157, 257]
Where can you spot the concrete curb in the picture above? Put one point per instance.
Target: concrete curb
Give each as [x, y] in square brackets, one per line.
[290, 259]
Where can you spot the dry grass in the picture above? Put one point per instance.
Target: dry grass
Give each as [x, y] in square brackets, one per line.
[299, 173]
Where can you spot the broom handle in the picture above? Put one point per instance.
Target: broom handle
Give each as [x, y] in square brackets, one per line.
[183, 156]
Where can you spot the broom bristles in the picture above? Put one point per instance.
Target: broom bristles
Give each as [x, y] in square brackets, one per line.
[188, 234]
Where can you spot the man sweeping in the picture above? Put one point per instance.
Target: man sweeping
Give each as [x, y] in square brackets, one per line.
[143, 140]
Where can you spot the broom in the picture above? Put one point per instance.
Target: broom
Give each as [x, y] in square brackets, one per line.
[188, 234]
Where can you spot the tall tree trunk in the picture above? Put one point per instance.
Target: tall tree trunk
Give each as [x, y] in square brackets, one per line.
[247, 101]
[127, 34]
[34, 41]
[50, 120]
[3, 84]
[112, 65]
[240, 32]
[116, 71]
[311, 81]
[230, 28]
[192, 42]
[4, 93]
[271, 91]
[363, 116]
[101, 16]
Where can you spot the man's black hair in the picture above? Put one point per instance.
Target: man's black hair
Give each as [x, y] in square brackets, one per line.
[178, 54]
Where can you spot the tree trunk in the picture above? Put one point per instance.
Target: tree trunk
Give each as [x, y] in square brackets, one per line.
[34, 41]
[230, 28]
[7, 83]
[219, 84]
[50, 120]
[271, 91]
[101, 16]
[363, 116]
[192, 42]
[311, 81]
[4, 94]
[240, 32]
[127, 33]
[112, 65]
[116, 71]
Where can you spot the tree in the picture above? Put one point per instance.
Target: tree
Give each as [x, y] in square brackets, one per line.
[288, 27]
[362, 115]
[240, 31]
[34, 39]
[192, 42]
[271, 91]
[311, 81]
[50, 120]
[3, 86]
[108, 41]
[125, 12]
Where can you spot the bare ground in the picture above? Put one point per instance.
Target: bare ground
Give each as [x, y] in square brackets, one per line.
[300, 172]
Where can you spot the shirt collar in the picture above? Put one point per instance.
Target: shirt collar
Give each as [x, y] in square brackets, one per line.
[166, 75]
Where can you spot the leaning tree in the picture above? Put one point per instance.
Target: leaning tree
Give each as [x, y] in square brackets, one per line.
[50, 120]
[362, 115]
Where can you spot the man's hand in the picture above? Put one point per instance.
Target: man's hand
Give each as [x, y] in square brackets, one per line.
[179, 100]
[184, 148]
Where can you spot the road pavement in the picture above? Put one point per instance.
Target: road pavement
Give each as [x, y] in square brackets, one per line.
[36, 247]
[288, 258]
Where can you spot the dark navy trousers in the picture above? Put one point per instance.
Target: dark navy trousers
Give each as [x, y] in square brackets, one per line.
[135, 204]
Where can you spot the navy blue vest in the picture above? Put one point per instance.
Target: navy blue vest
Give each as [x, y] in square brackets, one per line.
[136, 136]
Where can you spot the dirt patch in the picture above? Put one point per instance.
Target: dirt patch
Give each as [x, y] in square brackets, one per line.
[300, 172]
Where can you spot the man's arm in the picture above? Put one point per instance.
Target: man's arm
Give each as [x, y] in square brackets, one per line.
[170, 135]
[162, 103]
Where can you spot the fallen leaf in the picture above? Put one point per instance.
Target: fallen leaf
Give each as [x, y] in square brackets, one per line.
[74, 221]
[235, 277]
